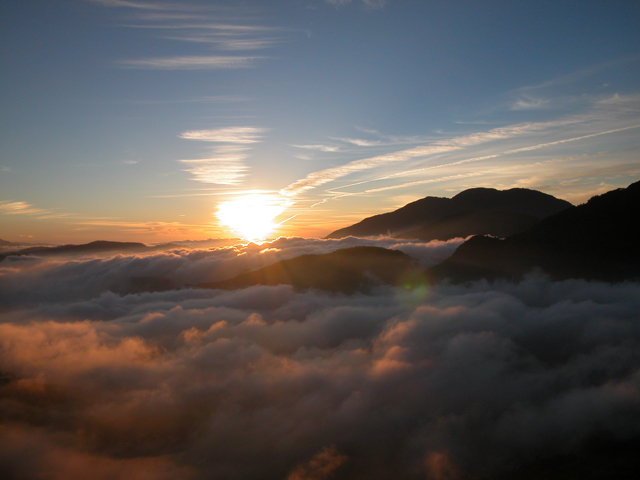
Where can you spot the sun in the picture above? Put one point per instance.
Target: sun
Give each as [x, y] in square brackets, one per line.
[251, 216]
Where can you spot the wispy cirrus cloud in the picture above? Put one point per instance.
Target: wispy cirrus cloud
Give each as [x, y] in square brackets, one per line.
[142, 228]
[405, 173]
[383, 140]
[319, 147]
[164, 17]
[380, 139]
[135, 5]
[209, 62]
[24, 208]
[245, 43]
[578, 75]
[321, 177]
[529, 103]
[21, 208]
[214, 28]
[234, 44]
[368, 3]
[361, 142]
[611, 169]
[566, 140]
[614, 111]
[226, 135]
[563, 91]
[476, 173]
[226, 165]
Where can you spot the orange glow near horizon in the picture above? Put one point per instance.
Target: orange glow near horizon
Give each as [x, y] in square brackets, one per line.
[252, 216]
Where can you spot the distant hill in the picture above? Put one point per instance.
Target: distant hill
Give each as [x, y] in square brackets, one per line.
[99, 246]
[598, 240]
[498, 224]
[412, 218]
[347, 271]
[5, 243]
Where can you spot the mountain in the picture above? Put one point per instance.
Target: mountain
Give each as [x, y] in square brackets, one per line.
[5, 243]
[597, 241]
[347, 270]
[100, 246]
[426, 211]
[498, 224]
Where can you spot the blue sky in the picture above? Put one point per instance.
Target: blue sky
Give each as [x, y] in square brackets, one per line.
[135, 120]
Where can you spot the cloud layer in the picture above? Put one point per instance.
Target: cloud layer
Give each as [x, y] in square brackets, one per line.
[267, 383]
[29, 281]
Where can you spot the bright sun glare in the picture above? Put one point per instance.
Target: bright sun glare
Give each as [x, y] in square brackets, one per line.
[251, 216]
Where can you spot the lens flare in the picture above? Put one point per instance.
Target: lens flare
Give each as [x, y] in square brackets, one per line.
[414, 288]
[251, 216]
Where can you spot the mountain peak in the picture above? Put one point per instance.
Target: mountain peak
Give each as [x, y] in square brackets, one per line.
[429, 210]
[596, 240]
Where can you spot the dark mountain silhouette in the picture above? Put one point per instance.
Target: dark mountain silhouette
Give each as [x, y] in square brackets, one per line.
[428, 210]
[600, 460]
[597, 240]
[97, 247]
[498, 224]
[5, 243]
[347, 271]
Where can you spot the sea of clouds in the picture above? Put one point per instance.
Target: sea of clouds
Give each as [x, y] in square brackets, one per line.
[458, 381]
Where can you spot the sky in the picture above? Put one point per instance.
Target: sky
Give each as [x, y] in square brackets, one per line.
[149, 121]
